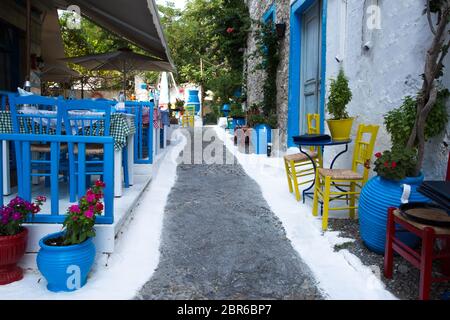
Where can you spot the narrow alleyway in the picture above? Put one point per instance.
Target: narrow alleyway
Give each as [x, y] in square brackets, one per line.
[220, 240]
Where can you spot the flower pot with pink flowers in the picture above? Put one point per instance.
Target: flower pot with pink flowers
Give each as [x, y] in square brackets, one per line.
[13, 236]
[66, 258]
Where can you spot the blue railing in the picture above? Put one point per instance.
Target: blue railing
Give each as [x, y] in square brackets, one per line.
[143, 140]
[24, 185]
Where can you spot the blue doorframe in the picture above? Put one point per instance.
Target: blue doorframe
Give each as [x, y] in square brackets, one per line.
[297, 9]
[270, 14]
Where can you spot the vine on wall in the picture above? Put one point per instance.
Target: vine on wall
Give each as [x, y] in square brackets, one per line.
[267, 43]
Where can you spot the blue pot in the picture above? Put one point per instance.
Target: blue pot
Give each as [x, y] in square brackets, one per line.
[239, 121]
[65, 268]
[376, 197]
[261, 136]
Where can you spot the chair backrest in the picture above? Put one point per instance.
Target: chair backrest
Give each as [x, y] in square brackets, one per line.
[189, 111]
[35, 114]
[86, 117]
[364, 145]
[313, 121]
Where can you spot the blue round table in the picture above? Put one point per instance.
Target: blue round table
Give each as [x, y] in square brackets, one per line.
[322, 144]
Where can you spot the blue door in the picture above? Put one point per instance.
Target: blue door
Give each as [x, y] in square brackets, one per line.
[310, 63]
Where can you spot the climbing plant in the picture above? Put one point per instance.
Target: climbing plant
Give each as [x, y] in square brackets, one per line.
[267, 44]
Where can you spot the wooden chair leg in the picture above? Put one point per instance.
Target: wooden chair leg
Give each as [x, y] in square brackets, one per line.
[352, 200]
[426, 263]
[389, 250]
[316, 195]
[286, 165]
[326, 203]
[295, 180]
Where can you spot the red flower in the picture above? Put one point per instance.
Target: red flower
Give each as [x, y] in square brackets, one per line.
[378, 154]
[100, 183]
[99, 207]
[394, 164]
[386, 164]
[230, 30]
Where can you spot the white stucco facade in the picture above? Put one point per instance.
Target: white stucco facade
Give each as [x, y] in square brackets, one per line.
[389, 70]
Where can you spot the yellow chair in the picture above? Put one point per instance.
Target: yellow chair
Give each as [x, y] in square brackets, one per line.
[346, 181]
[294, 163]
[188, 118]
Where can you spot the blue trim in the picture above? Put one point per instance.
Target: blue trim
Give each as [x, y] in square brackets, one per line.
[297, 8]
[270, 14]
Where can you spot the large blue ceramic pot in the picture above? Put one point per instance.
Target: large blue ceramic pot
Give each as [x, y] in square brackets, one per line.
[376, 197]
[261, 136]
[65, 267]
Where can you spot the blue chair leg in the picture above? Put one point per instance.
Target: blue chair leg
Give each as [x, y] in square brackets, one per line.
[126, 178]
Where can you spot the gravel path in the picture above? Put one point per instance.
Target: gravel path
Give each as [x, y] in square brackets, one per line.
[220, 240]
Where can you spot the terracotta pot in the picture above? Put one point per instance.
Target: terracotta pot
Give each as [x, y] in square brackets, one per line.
[12, 249]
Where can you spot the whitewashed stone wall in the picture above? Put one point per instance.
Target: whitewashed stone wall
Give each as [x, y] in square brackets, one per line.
[255, 78]
[381, 76]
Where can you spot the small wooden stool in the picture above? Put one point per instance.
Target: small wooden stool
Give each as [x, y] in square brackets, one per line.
[422, 260]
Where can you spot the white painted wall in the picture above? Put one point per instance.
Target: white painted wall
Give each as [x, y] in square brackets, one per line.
[381, 77]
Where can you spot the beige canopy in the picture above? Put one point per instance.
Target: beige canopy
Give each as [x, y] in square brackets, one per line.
[135, 20]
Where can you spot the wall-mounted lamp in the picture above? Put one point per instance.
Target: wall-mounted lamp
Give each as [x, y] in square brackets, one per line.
[281, 29]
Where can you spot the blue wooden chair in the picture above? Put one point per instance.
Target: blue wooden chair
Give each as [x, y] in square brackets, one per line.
[85, 160]
[51, 155]
[143, 141]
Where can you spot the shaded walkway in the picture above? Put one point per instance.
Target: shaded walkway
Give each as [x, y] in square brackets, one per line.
[220, 240]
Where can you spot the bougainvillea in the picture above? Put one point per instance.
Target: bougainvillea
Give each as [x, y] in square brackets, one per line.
[16, 212]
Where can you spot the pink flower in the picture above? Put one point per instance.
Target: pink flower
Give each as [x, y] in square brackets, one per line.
[41, 198]
[378, 155]
[386, 164]
[90, 197]
[35, 208]
[394, 164]
[74, 209]
[75, 218]
[230, 30]
[89, 214]
[98, 196]
[16, 216]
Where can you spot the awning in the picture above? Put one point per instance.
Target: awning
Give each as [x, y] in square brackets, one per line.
[137, 21]
[52, 49]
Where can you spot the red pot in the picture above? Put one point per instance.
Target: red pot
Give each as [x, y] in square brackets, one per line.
[12, 249]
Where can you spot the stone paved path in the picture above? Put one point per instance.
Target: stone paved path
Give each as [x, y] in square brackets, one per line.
[220, 240]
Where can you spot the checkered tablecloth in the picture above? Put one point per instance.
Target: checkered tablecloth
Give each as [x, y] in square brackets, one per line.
[120, 128]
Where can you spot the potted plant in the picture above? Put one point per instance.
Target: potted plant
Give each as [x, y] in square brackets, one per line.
[340, 124]
[410, 126]
[238, 116]
[65, 258]
[13, 236]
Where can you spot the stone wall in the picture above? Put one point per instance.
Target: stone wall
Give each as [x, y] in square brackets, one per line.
[255, 78]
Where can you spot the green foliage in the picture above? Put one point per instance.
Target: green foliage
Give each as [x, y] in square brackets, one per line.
[340, 96]
[396, 164]
[211, 118]
[91, 39]
[236, 111]
[214, 31]
[400, 121]
[80, 220]
[268, 49]
[254, 119]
